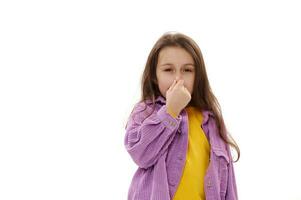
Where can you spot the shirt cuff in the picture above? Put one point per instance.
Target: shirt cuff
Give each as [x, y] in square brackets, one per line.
[168, 120]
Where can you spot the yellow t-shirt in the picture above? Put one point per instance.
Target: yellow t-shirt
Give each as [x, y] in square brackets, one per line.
[191, 185]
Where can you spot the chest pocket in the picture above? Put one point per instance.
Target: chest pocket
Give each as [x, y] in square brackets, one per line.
[222, 160]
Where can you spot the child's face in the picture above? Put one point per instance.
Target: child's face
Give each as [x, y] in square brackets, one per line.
[180, 66]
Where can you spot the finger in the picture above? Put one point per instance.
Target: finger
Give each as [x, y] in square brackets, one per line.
[172, 85]
[180, 83]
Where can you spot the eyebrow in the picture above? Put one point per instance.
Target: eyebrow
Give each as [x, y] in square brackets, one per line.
[172, 64]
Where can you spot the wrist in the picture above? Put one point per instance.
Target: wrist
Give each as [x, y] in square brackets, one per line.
[172, 113]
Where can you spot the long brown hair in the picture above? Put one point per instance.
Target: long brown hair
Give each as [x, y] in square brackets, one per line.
[202, 96]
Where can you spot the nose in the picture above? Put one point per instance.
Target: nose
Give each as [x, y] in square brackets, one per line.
[179, 77]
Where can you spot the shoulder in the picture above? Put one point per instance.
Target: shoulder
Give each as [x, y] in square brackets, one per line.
[142, 106]
[140, 111]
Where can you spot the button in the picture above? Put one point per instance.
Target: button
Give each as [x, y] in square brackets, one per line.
[172, 184]
[171, 181]
[209, 184]
[180, 157]
[171, 123]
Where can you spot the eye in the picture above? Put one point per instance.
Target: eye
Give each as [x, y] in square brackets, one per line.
[189, 70]
[186, 70]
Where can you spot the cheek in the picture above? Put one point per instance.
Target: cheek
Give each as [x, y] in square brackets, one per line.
[190, 86]
[164, 85]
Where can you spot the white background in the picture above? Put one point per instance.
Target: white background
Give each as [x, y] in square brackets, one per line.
[70, 74]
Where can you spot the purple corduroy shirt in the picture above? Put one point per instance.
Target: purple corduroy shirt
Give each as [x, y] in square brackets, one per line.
[158, 145]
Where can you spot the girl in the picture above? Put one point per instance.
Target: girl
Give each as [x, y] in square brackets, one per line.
[176, 133]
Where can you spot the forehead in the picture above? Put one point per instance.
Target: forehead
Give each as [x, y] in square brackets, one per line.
[175, 55]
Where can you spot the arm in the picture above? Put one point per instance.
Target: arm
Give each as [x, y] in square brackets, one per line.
[171, 112]
[146, 141]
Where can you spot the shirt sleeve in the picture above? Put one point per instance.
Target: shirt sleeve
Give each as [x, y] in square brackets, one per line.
[146, 139]
[231, 193]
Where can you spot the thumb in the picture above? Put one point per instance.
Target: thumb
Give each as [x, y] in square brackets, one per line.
[187, 90]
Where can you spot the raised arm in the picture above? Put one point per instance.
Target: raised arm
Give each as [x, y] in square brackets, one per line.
[146, 140]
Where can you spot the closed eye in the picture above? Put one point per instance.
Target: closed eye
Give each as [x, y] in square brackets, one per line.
[189, 70]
